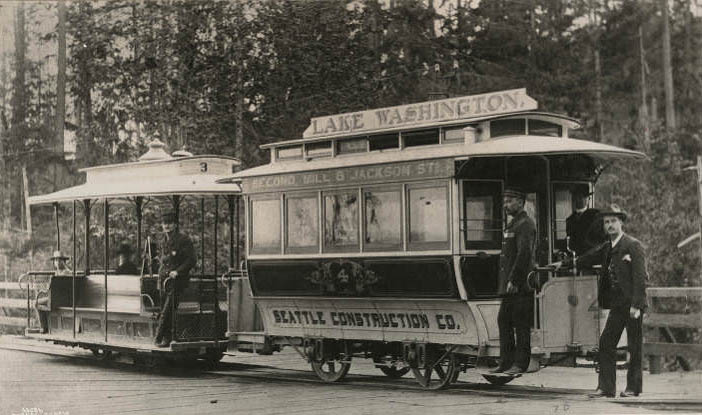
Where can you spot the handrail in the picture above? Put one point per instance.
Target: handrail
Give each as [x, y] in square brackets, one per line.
[153, 304]
[533, 275]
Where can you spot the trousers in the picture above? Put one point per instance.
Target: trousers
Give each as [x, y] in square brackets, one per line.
[515, 317]
[617, 320]
[170, 303]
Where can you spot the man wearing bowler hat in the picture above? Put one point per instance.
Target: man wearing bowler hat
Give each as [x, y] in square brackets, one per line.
[624, 275]
[516, 308]
[177, 259]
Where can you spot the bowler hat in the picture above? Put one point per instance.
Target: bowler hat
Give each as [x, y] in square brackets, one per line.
[614, 210]
[168, 216]
[582, 191]
[514, 192]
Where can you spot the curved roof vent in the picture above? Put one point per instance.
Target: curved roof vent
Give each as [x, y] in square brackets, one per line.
[156, 151]
[181, 153]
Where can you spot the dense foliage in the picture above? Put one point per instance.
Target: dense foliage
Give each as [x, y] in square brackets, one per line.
[226, 76]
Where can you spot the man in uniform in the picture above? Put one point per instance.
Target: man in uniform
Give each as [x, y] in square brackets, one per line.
[584, 225]
[516, 309]
[624, 274]
[177, 259]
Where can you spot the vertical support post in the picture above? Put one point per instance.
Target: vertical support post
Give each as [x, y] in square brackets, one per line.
[138, 204]
[86, 245]
[216, 271]
[216, 225]
[202, 236]
[232, 263]
[107, 257]
[58, 229]
[176, 211]
[699, 201]
[73, 282]
[236, 208]
[230, 206]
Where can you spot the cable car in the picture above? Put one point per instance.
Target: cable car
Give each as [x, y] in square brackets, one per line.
[93, 304]
[378, 235]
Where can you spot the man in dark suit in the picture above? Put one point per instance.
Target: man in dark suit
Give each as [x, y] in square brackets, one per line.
[584, 226]
[624, 271]
[516, 308]
[177, 259]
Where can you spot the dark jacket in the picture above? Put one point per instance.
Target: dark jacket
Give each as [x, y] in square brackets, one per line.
[585, 230]
[177, 254]
[517, 256]
[625, 266]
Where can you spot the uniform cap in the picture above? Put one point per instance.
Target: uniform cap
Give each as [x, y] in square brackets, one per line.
[514, 192]
[582, 191]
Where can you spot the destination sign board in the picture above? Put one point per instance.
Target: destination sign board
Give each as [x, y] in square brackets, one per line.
[385, 173]
[419, 114]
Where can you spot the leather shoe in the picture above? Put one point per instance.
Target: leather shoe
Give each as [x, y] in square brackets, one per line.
[628, 394]
[599, 393]
[514, 370]
[162, 343]
[498, 369]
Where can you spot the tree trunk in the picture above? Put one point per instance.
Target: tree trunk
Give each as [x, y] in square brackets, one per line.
[61, 77]
[667, 70]
[644, 93]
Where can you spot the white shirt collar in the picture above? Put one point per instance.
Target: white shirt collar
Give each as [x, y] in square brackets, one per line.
[581, 210]
[616, 241]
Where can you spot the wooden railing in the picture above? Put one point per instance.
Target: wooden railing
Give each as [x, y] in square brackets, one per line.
[659, 339]
[13, 302]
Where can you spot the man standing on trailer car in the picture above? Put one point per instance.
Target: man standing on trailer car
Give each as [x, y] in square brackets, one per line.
[516, 308]
[177, 259]
[584, 225]
[624, 276]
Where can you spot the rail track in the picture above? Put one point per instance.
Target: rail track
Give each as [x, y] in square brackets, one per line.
[289, 370]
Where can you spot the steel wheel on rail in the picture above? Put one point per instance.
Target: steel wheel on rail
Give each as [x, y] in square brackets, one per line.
[331, 370]
[498, 380]
[438, 373]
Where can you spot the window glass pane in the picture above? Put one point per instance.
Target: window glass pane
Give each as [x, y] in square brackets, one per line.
[302, 222]
[563, 210]
[383, 216]
[322, 149]
[356, 145]
[428, 214]
[482, 205]
[294, 152]
[265, 223]
[538, 127]
[421, 138]
[382, 142]
[341, 219]
[454, 135]
[513, 126]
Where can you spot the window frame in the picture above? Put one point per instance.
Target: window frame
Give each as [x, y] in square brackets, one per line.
[434, 245]
[346, 248]
[263, 251]
[383, 247]
[464, 230]
[287, 249]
